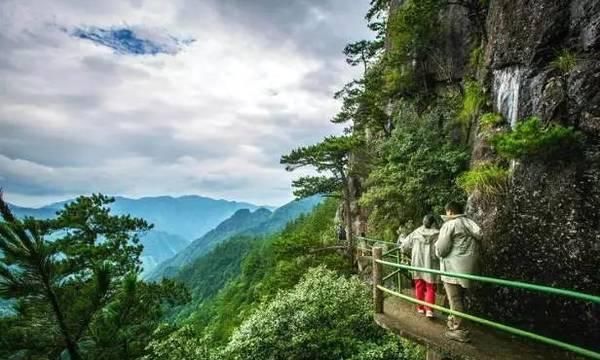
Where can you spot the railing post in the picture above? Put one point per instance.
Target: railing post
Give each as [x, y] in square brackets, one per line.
[399, 276]
[377, 280]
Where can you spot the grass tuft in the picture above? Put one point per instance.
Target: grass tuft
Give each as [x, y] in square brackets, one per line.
[487, 179]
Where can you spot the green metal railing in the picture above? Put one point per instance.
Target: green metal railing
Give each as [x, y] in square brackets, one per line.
[508, 283]
[393, 253]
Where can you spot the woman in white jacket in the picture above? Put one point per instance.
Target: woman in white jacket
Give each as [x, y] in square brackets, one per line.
[421, 243]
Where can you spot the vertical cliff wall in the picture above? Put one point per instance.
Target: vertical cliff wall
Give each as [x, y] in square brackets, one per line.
[546, 228]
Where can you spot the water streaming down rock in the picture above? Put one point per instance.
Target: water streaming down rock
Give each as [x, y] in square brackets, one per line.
[507, 84]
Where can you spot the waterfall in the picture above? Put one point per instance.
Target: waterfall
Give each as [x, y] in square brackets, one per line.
[507, 83]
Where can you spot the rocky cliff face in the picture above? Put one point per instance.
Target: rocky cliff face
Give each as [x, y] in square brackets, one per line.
[546, 229]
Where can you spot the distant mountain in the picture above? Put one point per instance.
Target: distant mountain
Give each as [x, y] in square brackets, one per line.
[243, 222]
[240, 221]
[45, 212]
[283, 215]
[176, 220]
[188, 216]
[160, 246]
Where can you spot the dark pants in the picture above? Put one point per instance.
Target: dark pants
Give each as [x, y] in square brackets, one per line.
[456, 298]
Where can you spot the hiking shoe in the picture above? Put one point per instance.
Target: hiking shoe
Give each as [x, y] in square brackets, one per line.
[458, 335]
[421, 311]
[429, 314]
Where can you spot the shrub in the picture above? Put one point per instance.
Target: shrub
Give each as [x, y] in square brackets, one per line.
[531, 137]
[487, 179]
[491, 120]
[324, 317]
[565, 61]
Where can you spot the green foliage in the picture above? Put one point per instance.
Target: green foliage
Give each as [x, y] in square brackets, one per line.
[473, 101]
[415, 173]
[307, 186]
[531, 137]
[79, 291]
[565, 61]
[412, 27]
[487, 179]
[127, 323]
[206, 276]
[362, 52]
[319, 318]
[476, 58]
[378, 9]
[331, 155]
[491, 120]
[410, 31]
[172, 343]
[364, 102]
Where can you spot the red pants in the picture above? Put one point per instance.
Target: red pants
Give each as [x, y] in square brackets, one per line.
[424, 291]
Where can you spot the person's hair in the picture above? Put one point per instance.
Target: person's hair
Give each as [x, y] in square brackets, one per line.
[455, 207]
[428, 221]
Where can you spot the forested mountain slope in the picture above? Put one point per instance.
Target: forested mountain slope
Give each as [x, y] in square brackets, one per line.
[243, 222]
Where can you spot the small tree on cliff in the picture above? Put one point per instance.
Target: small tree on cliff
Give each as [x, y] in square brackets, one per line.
[331, 156]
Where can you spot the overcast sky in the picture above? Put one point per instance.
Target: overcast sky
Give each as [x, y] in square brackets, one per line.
[154, 97]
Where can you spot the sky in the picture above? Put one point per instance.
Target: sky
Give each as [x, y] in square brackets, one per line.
[151, 97]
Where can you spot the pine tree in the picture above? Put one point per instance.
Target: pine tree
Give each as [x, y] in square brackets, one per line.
[330, 156]
[68, 281]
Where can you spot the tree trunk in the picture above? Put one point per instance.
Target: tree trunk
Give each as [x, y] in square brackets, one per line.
[348, 223]
[69, 343]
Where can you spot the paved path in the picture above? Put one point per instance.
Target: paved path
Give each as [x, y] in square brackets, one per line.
[401, 318]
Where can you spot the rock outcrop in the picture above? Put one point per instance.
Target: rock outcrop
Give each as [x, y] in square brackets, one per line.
[546, 228]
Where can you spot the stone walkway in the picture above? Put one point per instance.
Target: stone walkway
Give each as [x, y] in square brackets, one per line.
[401, 318]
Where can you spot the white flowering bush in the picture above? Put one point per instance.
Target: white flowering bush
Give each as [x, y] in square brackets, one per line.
[324, 317]
[181, 344]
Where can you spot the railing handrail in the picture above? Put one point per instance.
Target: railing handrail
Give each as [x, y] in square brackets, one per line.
[504, 282]
[378, 290]
[375, 240]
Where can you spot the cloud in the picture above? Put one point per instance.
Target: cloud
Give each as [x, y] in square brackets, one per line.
[211, 118]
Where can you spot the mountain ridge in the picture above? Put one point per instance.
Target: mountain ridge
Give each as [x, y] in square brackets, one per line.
[177, 220]
[260, 222]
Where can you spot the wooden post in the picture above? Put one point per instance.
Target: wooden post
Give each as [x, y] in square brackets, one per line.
[377, 280]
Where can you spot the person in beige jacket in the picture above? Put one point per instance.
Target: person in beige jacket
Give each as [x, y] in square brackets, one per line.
[458, 249]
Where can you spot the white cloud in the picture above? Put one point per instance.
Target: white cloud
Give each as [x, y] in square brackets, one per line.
[77, 118]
